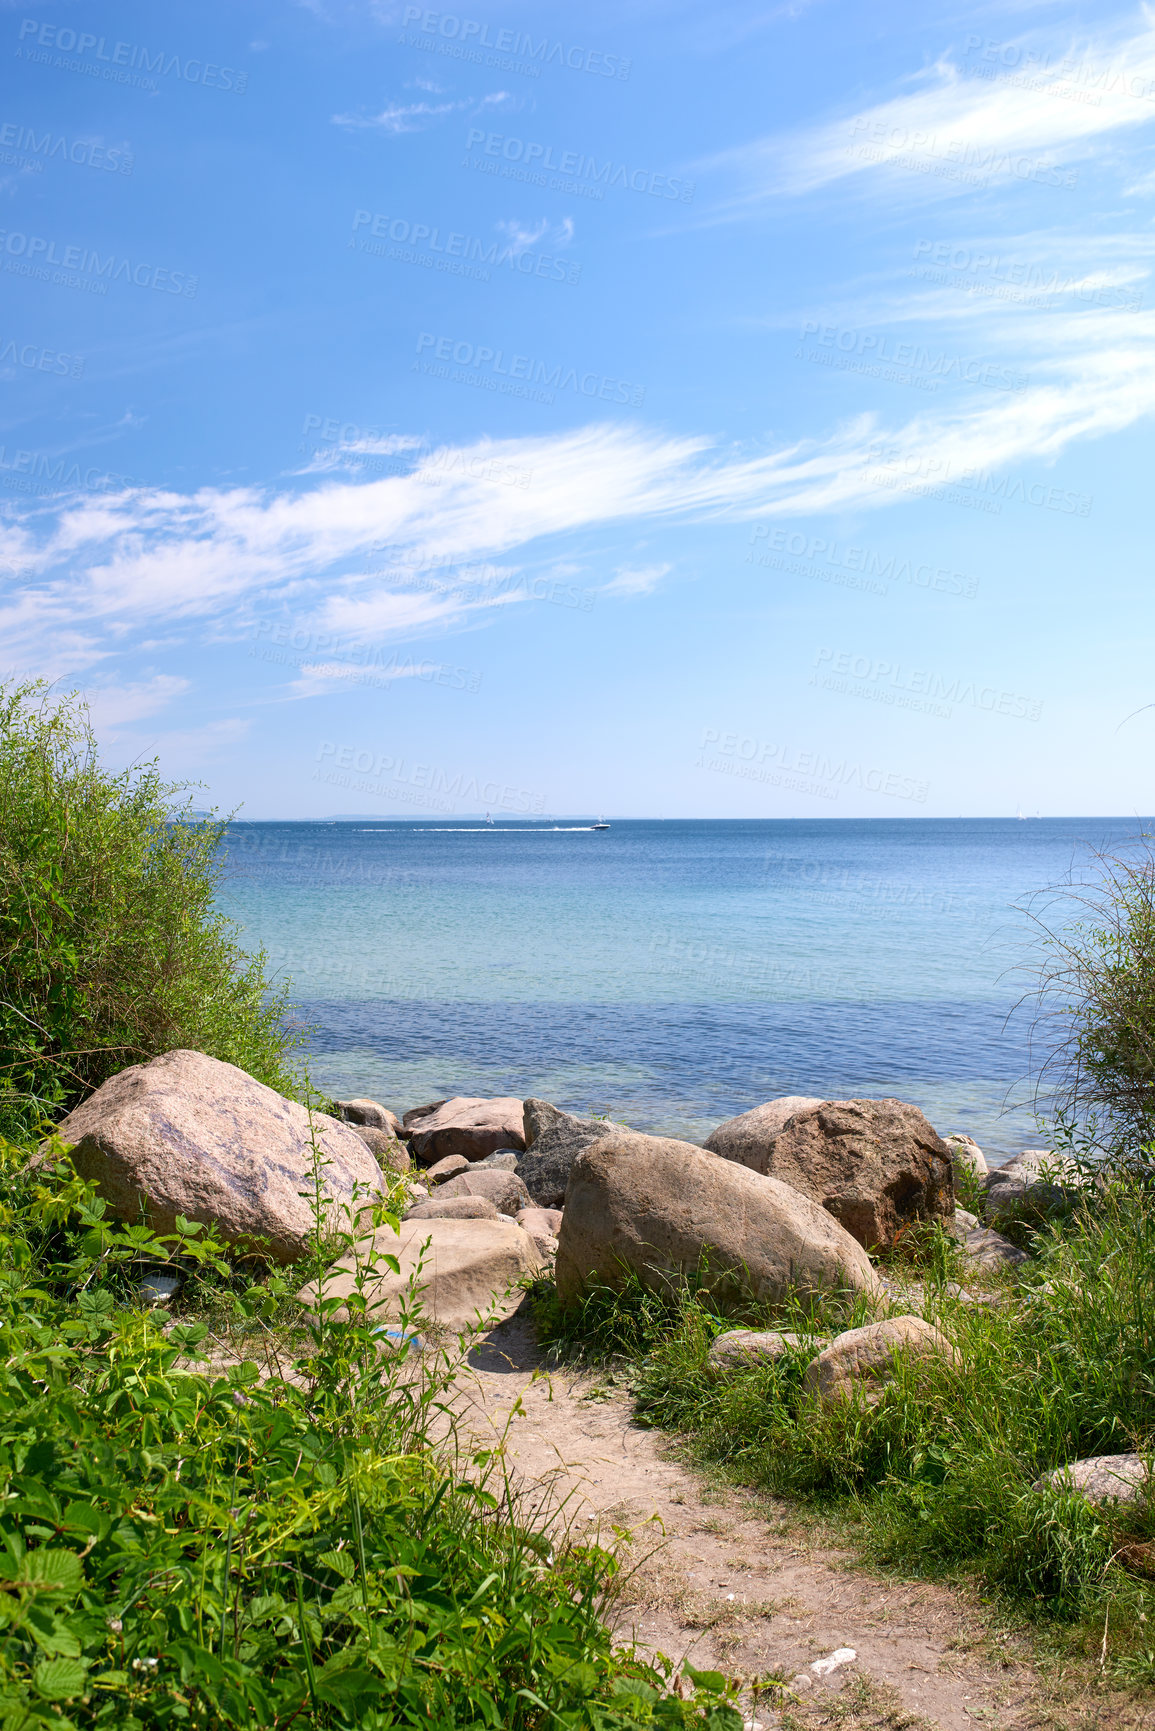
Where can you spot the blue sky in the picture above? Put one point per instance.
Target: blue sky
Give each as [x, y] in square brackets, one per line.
[724, 411]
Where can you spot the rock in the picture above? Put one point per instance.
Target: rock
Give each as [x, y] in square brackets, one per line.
[1101, 1478]
[543, 1226]
[186, 1134]
[965, 1220]
[660, 1207]
[750, 1138]
[744, 1346]
[418, 1193]
[1036, 1180]
[453, 1208]
[447, 1168]
[966, 1157]
[506, 1160]
[989, 1249]
[370, 1113]
[863, 1359]
[504, 1189]
[386, 1148]
[470, 1127]
[876, 1165]
[467, 1267]
[554, 1140]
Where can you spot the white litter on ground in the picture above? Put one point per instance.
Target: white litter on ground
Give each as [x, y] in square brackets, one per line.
[840, 1656]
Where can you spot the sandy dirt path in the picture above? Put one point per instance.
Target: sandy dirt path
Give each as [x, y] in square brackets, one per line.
[731, 1580]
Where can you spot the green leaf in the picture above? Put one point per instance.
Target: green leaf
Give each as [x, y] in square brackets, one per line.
[53, 1571]
[339, 1561]
[712, 1680]
[60, 1679]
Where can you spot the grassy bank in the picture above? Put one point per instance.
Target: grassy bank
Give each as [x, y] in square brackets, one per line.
[276, 1543]
[938, 1476]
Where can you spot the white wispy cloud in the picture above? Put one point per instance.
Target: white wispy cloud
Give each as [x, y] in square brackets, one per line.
[1002, 117]
[353, 555]
[113, 705]
[636, 579]
[399, 117]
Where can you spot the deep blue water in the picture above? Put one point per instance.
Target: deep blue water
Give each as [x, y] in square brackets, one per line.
[670, 973]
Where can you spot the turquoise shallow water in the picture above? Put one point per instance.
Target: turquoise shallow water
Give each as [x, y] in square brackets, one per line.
[671, 973]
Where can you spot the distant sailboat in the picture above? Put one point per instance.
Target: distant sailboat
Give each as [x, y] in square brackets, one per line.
[488, 819]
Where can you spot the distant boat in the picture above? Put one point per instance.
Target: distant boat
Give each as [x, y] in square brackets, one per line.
[488, 819]
[600, 824]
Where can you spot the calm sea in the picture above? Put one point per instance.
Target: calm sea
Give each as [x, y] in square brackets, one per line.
[671, 974]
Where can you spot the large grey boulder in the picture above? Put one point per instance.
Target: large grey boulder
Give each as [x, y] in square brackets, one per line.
[504, 1189]
[464, 1125]
[1036, 1180]
[661, 1208]
[187, 1135]
[1102, 1478]
[553, 1141]
[466, 1271]
[876, 1165]
[749, 1139]
[989, 1249]
[864, 1360]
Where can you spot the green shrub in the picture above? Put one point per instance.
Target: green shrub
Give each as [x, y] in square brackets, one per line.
[184, 1548]
[110, 948]
[1094, 997]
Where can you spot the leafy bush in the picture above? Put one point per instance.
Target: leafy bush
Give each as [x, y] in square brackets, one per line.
[110, 948]
[187, 1548]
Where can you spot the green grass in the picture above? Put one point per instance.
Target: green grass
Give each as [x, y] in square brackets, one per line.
[938, 1476]
[184, 1548]
[111, 950]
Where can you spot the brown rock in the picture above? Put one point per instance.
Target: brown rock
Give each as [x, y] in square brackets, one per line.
[750, 1138]
[504, 1189]
[876, 1165]
[543, 1226]
[465, 1270]
[746, 1346]
[863, 1359]
[447, 1168]
[453, 1208]
[370, 1113]
[186, 1134]
[659, 1207]
[472, 1128]
[390, 1154]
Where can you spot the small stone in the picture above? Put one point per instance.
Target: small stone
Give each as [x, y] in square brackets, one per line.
[739, 1346]
[989, 1249]
[453, 1208]
[863, 1359]
[505, 1159]
[447, 1168]
[801, 1682]
[370, 1113]
[963, 1217]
